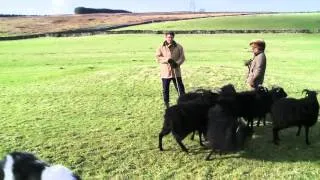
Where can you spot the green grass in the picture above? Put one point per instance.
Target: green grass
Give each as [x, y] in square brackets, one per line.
[94, 104]
[309, 21]
[2, 34]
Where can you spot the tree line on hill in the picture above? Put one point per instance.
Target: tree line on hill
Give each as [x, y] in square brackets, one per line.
[84, 10]
[10, 15]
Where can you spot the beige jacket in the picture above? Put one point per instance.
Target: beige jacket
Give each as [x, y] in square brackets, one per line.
[257, 70]
[166, 52]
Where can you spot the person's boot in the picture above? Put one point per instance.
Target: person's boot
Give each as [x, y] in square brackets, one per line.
[166, 104]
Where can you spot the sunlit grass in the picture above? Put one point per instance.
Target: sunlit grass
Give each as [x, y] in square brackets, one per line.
[94, 104]
[310, 21]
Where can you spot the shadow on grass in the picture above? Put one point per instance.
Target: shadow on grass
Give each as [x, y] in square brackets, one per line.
[292, 148]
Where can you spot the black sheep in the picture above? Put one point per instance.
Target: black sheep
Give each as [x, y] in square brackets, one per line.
[227, 90]
[195, 96]
[267, 101]
[247, 104]
[182, 119]
[289, 112]
[256, 104]
[225, 132]
[199, 96]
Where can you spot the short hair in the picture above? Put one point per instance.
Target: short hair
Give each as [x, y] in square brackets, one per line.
[170, 33]
[260, 43]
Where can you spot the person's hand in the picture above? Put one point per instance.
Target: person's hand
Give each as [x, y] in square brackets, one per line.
[248, 62]
[172, 63]
[251, 83]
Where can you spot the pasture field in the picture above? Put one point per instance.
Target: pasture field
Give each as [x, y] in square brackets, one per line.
[94, 104]
[261, 22]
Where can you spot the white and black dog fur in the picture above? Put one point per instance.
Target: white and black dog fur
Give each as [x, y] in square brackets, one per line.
[26, 166]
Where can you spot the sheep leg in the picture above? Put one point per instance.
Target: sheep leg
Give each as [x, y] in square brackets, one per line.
[205, 137]
[259, 120]
[258, 123]
[299, 129]
[276, 136]
[250, 122]
[192, 136]
[200, 139]
[209, 155]
[307, 135]
[179, 141]
[163, 133]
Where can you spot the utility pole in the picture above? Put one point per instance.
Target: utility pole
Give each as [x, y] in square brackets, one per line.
[192, 5]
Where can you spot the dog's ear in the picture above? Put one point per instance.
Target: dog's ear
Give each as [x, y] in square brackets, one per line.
[23, 156]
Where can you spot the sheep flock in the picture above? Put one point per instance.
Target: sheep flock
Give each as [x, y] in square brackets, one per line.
[224, 118]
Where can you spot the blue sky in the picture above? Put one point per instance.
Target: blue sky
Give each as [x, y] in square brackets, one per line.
[67, 6]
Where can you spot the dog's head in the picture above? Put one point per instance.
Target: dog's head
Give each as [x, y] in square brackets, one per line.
[22, 165]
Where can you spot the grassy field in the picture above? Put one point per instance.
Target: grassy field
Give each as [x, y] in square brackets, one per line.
[309, 21]
[94, 104]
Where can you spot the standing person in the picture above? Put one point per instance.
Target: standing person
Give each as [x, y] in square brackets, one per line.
[257, 66]
[170, 56]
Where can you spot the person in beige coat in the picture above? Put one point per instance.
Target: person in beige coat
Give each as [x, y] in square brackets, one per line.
[170, 56]
[257, 66]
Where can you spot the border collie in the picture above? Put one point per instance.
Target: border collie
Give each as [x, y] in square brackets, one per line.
[26, 166]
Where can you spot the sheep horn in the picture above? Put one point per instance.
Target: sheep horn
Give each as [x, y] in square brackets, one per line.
[305, 91]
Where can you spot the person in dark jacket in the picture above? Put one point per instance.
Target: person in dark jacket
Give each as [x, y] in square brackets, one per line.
[257, 66]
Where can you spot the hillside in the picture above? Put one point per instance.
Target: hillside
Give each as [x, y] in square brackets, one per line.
[310, 21]
[26, 25]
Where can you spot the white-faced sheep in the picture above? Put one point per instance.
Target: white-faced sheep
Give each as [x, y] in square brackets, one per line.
[26, 166]
[289, 112]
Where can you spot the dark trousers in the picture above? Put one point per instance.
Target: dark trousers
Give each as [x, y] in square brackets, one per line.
[166, 87]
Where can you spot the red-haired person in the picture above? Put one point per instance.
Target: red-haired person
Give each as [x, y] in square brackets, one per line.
[257, 67]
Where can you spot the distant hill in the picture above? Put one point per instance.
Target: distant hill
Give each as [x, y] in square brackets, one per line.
[83, 10]
[10, 15]
[268, 21]
[30, 25]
